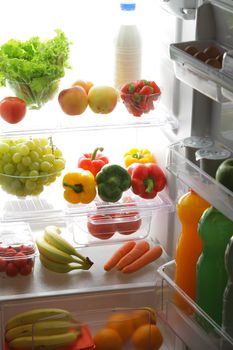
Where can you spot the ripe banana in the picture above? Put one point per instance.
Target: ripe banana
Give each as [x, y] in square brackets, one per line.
[52, 236]
[45, 342]
[60, 268]
[35, 315]
[53, 253]
[48, 327]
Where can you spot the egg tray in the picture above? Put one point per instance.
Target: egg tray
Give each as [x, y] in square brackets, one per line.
[204, 59]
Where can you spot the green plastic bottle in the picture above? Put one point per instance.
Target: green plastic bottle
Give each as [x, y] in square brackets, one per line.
[227, 313]
[215, 231]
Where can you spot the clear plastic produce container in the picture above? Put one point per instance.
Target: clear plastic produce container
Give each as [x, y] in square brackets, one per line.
[111, 228]
[127, 328]
[17, 249]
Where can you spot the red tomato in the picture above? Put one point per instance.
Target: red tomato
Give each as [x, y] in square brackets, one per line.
[130, 223]
[12, 109]
[102, 229]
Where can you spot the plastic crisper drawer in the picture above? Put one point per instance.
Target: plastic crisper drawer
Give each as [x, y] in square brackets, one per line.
[122, 320]
[184, 323]
[185, 9]
[190, 174]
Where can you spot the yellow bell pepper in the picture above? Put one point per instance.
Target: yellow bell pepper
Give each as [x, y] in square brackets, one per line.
[136, 155]
[80, 186]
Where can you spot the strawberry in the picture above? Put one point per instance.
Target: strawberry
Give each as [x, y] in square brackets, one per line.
[146, 90]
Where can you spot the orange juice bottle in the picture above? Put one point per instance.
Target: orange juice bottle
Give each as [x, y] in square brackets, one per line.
[189, 210]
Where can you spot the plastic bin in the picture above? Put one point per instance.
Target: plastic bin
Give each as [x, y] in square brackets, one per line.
[17, 249]
[116, 326]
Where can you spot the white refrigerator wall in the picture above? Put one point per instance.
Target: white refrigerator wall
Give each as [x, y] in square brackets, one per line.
[92, 26]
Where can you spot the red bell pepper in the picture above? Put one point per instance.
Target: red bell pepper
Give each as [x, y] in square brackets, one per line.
[147, 179]
[93, 161]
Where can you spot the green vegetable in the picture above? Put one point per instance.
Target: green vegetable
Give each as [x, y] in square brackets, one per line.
[112, 181]
[33, 68]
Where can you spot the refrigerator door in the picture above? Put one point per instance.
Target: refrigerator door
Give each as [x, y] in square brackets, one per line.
[185, 9]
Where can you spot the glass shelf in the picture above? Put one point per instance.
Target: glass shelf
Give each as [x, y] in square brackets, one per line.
[184, 323]
[206, 186]
[50, 119]
[46, 206]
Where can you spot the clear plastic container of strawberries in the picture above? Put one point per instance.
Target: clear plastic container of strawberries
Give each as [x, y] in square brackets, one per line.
[17, 249]
[139, 96]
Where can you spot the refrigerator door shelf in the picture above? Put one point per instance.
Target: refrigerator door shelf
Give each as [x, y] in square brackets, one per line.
[185, 9]
[205, 185]
[184, 323]
[197, 73]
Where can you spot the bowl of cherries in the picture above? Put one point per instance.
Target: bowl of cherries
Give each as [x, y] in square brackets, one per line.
[139, 96]
[17, 250]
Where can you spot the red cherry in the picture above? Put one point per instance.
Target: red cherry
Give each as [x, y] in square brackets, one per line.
[11, 269]
[3, 264]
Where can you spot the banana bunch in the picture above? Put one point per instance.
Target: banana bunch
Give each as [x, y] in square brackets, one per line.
[58, 255]
[45, 328]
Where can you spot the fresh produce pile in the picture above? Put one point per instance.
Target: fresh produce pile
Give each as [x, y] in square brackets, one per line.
[47, 328]
[133, 256]
[33, 68]
[58, 255]
[136, 329]
[95, 174]
[102, 99]
[58, 329]
[29, 164]
[17, 260]
[139, 96]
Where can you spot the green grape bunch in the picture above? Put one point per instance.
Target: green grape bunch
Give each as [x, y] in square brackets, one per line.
[29, 164]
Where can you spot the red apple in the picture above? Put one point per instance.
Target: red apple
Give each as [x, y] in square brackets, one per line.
[73, 101]
[12, 109]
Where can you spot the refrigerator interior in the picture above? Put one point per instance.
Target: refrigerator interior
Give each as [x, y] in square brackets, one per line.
[178, 114]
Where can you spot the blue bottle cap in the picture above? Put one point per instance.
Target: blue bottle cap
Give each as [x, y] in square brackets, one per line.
[128, 6]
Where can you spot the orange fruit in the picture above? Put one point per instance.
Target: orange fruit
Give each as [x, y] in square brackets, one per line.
[143, 316]
[107, 339]
[147, 337]
[122, 323]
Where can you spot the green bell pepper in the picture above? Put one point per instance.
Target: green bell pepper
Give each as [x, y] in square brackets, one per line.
[224, 173]
[112, 181]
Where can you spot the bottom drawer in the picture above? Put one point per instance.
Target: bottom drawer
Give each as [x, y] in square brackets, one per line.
[183, 315]
[118, 328]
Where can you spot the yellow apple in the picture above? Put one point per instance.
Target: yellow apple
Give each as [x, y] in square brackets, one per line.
[102, 99]
[73, 100]
[85, 84]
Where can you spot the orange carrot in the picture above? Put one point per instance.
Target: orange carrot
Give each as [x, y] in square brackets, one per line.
[140, 248]
[119, 254]
[150, 256]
